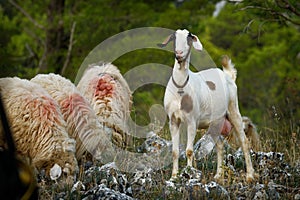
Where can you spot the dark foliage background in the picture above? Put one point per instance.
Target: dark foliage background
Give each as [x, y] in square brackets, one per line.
[262, 37]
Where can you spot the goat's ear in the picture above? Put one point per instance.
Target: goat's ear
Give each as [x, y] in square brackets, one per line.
[166, 41]
[251, 125]
[196, 43]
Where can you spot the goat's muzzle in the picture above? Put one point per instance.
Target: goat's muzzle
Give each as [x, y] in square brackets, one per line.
[179, 58]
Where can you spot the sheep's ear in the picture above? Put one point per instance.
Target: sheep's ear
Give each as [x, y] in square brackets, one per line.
[166, 41]
[196, 43]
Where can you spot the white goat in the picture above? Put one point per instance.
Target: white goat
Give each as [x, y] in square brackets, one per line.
[204, 100]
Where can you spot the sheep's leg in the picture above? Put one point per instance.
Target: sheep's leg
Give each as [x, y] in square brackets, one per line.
[190, 142]
[174, 129]
[220, 155]
[236, 119]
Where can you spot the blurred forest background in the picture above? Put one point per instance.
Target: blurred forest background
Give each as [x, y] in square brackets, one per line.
[262, 38]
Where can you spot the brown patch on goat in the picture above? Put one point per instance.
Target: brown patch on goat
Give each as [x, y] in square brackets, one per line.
[186, 103]
[175, 155]
[211, 85]
[175, 120]
[189, 153]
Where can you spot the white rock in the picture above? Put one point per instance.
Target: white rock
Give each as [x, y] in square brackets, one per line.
[78, 186]
[55, 172]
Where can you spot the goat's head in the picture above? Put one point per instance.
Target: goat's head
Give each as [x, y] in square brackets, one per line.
[247, 124]
[183, 41]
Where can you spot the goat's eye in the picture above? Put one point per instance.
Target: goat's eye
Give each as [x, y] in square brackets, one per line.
[172, 37]
[190, 39]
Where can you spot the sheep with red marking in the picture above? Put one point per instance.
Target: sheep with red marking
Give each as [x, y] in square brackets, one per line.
[38, 127]
[82, 122]
[109, 94]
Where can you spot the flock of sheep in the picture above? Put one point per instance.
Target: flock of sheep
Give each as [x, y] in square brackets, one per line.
[54, 123]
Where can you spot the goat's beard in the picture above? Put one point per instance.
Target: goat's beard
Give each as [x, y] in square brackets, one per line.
[182, 64]
[180, 61]
[183, 61]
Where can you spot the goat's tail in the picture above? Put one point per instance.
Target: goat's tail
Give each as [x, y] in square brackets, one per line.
[228, 67]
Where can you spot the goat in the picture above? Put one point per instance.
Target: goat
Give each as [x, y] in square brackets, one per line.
[251, 134]
[248, 125]
[207, 99]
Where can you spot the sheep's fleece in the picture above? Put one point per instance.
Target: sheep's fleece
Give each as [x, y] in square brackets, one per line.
[82, 122]
[109, 94]
[37, 125]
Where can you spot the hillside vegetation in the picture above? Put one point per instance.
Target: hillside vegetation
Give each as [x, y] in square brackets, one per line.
[56, 36]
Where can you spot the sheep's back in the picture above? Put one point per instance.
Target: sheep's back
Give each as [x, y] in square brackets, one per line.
[109, 94]
[37, 124]
[82, 122]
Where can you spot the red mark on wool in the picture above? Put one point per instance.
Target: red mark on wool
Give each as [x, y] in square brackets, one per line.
[103, 86]
[72, 101]
[47, 107]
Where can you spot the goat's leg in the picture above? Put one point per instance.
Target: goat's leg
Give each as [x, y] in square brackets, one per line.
[236, 120]
[190, 142]
[174, 129]
[220, 155]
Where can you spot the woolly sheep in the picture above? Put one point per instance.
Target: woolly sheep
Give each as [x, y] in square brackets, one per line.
[37, 125]
[109, 94]
[201, 100]
[82, 122]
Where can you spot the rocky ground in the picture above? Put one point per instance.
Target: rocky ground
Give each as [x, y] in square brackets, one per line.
[277, 179]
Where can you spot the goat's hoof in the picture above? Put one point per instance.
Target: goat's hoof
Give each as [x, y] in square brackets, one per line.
[250, 178]
[218, 178]
[173, 179]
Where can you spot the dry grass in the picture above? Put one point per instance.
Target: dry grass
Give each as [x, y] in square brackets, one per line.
[280, 138]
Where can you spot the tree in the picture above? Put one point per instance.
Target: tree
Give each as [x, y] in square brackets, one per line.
[267, 60]
[48, 34]
[282, 11]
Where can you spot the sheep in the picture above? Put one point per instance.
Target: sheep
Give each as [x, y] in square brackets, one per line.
[82, 122]
[201, 100]
[38, 127]
[109, 94]
[251, 134]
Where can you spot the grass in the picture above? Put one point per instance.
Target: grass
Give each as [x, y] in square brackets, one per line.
[276, 136]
